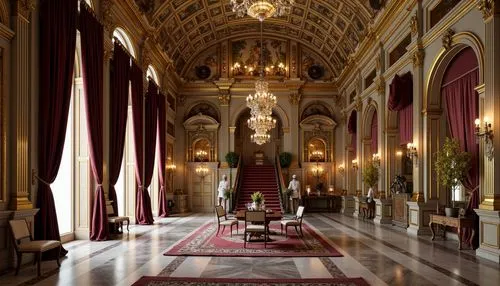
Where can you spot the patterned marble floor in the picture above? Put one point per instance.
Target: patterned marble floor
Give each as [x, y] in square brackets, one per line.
[381, 255]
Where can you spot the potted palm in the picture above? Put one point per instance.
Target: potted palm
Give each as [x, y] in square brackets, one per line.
[370, 175]
[452, 165]
[258, 200]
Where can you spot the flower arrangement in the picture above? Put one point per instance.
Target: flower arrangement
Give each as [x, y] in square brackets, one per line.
[257, 197]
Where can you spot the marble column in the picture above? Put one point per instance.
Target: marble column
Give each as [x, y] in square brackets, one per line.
[489, 209]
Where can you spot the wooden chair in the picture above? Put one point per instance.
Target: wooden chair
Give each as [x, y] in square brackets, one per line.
[117, 221]
[20, 232]
[296, 222]
[255, 223]
[221, 213]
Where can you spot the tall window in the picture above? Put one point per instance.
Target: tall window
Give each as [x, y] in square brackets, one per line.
[125, 186]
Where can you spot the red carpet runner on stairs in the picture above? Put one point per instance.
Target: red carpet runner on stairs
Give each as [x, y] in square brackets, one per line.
[259, 178]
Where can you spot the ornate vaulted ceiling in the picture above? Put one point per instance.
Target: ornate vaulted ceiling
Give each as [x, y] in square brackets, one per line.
[185, 28]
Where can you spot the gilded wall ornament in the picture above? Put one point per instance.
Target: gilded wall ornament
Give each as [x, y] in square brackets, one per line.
[106, 18]
[181, 99]
[224, 98]
[359, 104]
[418, 58]
[381, 85]
[487, 7]
[414, 24]
[294, 98]
[448, 39]
[25, 7]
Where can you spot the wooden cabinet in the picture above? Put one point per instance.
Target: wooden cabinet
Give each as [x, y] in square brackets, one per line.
[400, 209]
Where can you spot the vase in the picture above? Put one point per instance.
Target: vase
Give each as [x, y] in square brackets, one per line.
[257, 206]
[451, 212]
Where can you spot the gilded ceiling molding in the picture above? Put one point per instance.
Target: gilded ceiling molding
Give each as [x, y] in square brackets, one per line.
[487, 7]
[447, 38]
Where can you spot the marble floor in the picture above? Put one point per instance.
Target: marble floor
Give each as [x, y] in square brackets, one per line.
[381, 255]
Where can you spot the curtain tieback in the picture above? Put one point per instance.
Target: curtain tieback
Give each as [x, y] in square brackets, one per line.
[98, 185]
[476, 188]
[41, 180]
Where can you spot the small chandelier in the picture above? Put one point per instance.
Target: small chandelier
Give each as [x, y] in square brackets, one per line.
[262, 102]
[261, 123]
[262, 9]
[202, 170]
[260, 138]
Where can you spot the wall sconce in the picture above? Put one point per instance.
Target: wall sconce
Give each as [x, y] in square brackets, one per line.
[411, 152]
[376, 159]
[202, 170]
[330, 189]
[341, 169]
[355, 164]
[399, 153]
[171, 168]
[485, 133]
[308, 189]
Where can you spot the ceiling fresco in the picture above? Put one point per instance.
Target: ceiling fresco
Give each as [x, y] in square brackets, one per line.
[332, 28]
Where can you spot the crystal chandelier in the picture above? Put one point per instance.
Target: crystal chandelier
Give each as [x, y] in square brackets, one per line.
[262, 102]
[262, 9]
[261, 123]
[202, 170]
[260, 138]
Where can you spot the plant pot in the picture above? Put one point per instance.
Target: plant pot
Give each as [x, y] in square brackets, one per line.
[451, 212]
[257, 206]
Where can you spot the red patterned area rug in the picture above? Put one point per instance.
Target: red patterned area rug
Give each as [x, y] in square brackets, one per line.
[204, 242]
[186, 281]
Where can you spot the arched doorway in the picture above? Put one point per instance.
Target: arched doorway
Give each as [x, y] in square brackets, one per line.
[452, 106]
[247, 149]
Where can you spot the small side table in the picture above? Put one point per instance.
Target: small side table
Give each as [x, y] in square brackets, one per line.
[458, 222]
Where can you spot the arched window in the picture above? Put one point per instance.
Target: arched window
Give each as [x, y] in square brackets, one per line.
[151, 72]
[124, 39]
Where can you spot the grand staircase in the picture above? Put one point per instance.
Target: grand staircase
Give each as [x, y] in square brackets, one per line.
[259, 178]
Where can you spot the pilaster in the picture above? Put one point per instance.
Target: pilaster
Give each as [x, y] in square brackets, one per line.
[418, 217]
[348, 205]
[383, 211]
[489, 209]
[224, 132]
[357, 199]
[20, 106]
[294, 98]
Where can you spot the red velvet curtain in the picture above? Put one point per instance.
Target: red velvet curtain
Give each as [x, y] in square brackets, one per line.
[92, 41]
[120, 76]
[162, 119]
[151, 120]
[462, 108]
[351, 128]
[401, 100]
[374, 133]
[143, 213]
[57, 55]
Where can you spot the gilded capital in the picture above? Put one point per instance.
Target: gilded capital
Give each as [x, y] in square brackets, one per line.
[295, 98]
[106, 18]
[487, 7]
[381, 85]
[359, 104]
[224, 97]
[25, 7]
[418, 58]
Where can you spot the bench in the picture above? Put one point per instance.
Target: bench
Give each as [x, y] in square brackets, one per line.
[117, 221]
